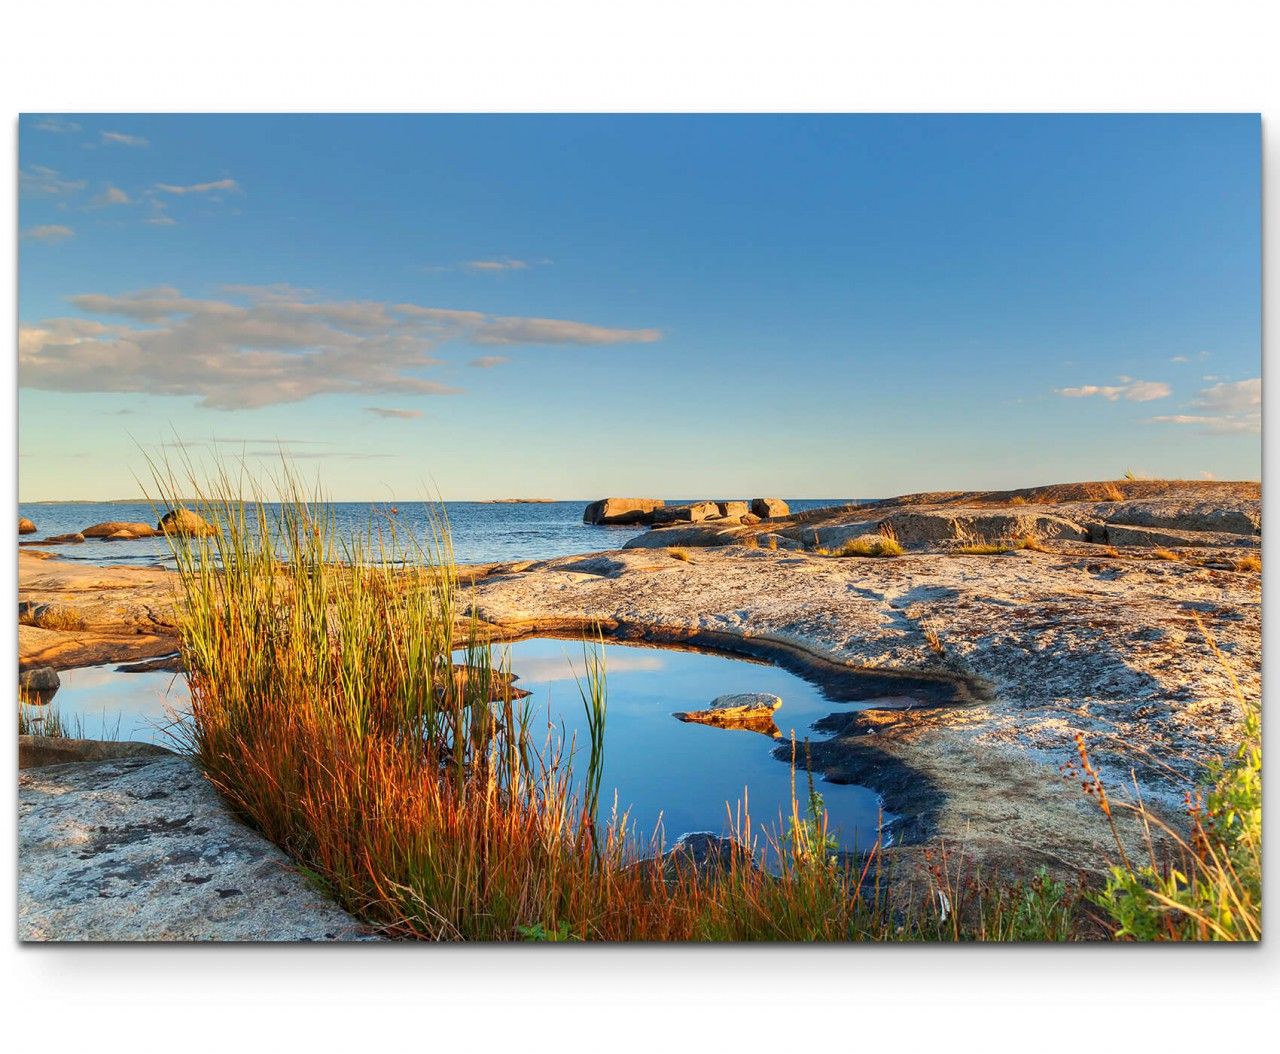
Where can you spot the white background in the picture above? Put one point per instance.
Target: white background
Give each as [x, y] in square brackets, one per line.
[657, 55]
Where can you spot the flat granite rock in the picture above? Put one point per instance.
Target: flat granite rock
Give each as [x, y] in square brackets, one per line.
[142, 849]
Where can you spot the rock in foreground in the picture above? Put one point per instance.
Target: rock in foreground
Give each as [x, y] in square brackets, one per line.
[142, 849]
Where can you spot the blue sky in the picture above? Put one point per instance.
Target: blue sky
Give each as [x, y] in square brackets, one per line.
[572, 306]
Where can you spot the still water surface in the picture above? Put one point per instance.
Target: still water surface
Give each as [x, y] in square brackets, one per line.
[685, 776]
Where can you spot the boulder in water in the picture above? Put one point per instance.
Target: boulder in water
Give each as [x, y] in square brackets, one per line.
[112, 528]
[608, 511]
[185, 523]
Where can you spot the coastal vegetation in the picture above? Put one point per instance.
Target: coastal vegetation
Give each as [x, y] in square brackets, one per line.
[346, 704]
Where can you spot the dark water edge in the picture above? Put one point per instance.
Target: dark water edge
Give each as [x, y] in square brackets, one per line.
[482, 532]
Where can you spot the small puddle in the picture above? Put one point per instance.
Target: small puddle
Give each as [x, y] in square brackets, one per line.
[97, 702]
[683, 775]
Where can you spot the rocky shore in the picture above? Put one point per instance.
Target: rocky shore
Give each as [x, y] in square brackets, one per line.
[1011, 623]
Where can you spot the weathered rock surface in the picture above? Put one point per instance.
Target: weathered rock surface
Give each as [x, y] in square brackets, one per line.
[185, 523]
[769, 508]
[111, 528]
[1165, 537]
[127, 613]
[694, 512]
[661, 538]
[25, 526]
[1065, 641]
[142, 849]
[733, 509]
[621, 510]
[752, 711]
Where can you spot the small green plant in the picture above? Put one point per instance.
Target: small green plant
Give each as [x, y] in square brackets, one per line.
[539, 933]
[1213, 888]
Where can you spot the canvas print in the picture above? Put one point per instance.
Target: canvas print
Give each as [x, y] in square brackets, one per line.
[639, 528]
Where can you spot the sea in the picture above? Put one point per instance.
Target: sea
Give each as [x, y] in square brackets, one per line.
[481, 532]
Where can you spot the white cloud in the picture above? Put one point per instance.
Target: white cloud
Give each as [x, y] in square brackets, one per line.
[1134, 391]
[1229, 408]
[201, 188]
[52, 233]
[121, 139]
[38, 179]
[387, 411]
[488, 362]
[1232, 397]
[504, 264]
[56, 125]
[280, 346]
[112, 196]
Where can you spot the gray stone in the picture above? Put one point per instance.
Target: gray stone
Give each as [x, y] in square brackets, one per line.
[143, 849]
[732, 509]
[35, 751]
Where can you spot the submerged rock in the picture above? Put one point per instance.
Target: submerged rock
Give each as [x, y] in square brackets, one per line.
[752, 711]
[621, 510]
[25, 526]
[501, 685]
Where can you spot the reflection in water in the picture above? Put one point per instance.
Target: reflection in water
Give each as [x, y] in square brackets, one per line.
[686, 777]
[689, 777]
[96, 702]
